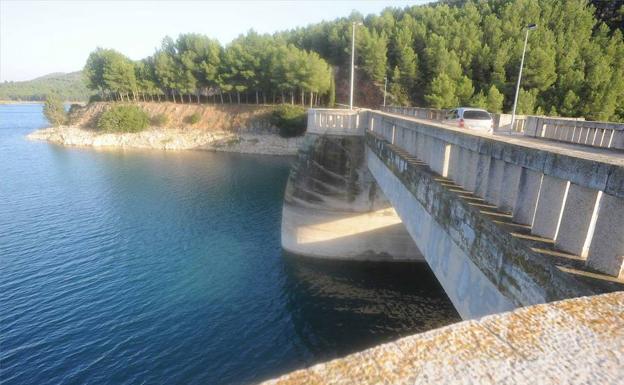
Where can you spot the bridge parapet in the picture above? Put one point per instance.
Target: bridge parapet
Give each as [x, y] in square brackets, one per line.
[324, 121]
[574, 205]
[502, 122]
[595, 134]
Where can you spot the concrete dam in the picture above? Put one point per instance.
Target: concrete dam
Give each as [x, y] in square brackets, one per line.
[502, 221]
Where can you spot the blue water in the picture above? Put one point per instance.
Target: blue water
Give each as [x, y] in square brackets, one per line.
[152, 267]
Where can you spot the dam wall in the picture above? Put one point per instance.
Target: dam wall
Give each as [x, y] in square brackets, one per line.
[333, 208]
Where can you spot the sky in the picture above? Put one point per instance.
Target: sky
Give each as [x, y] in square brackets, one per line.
[41, 37]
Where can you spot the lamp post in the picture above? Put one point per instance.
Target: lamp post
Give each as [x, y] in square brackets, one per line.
[385, 88]
[352, 61]
[529, 27]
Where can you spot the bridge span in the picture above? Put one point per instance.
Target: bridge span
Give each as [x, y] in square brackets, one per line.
[503, 221]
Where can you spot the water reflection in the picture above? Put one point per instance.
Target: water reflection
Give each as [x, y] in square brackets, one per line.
[339, 307]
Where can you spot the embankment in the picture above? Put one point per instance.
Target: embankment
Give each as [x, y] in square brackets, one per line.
[233, 128]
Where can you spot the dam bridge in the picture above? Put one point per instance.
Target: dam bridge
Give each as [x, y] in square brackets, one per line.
[503, 221]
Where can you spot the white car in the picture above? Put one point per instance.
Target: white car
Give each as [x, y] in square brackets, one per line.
[470, 118]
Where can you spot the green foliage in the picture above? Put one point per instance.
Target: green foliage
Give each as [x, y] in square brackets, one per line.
[291, 120]
[68, 87]
[159, 120]
[573, 62]
[193, 118]
[440, 54]
[442, 93]
[123, 118]
[397, 91]
[494, 101]
[54, 111]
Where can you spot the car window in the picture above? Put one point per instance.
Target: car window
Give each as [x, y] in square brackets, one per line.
[476, 115]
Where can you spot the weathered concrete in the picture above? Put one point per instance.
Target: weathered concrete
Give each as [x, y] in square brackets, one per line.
[334, 209]
[577, 341]
[482, 267]
[544, 171]
[462, 279]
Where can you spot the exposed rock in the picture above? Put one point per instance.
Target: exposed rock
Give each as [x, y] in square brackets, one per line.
[172, 139]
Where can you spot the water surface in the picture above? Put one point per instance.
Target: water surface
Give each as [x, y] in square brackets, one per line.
[153, 267]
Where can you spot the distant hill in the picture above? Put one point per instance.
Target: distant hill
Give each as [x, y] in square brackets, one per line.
[68, 86]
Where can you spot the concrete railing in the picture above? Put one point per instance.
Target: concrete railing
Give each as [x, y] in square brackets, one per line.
[595, 134]
[577, 203]
[417, 112]
[502, 122]
[337, 122]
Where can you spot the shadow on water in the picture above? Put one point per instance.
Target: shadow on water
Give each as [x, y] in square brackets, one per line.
[339, 307]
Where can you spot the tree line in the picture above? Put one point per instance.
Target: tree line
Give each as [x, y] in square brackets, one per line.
[464, 52]
[252, 69]
[444, 54]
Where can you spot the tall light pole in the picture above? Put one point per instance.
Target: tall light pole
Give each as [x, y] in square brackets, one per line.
[529, 27]
[352, 61]
[385, 88]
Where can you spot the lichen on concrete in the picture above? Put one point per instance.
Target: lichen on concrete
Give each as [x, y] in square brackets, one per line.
[576, 341]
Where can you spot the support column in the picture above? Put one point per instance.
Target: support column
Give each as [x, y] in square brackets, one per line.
[509, 188]
[495, 179]
[549, 206]
[606, 251]
[576, 218]
[528, 192]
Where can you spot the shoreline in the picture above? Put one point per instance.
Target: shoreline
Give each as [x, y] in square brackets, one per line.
[171, 139]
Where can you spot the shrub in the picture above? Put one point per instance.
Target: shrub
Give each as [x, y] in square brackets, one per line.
[54, 111]
[74, 114]
[291, 120]
[159, 120]
[192, 119]
[95, 98]
[123, 118]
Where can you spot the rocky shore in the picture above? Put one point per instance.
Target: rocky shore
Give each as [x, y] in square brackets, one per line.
[172, 139]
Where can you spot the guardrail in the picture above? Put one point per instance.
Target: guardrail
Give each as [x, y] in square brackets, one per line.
[324, 121]
[595, 134]
[574, 203]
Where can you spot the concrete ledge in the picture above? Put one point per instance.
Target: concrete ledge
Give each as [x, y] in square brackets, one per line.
[596, 172]
[577, 341]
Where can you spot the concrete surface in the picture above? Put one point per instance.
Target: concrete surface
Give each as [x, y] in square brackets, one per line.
[576, 341]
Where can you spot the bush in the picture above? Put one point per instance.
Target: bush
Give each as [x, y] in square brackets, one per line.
[192, 119]
[74, 113]
[95, 98]
[124, 118]
[54, 111]
[159, 120]
[291, 120]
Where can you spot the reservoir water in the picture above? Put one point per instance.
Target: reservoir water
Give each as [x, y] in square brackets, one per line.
[153, 267]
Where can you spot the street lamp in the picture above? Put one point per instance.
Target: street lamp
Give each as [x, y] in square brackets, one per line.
[385, 88]
[352, 61]
[529, 27]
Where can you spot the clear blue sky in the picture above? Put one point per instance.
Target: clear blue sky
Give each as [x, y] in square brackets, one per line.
[40, 37]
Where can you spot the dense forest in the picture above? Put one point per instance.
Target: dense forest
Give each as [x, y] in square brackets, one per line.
[468, 53]
[70, 86]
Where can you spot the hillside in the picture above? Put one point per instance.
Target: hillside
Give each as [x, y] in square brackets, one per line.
[69, 86]
[230, 128]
